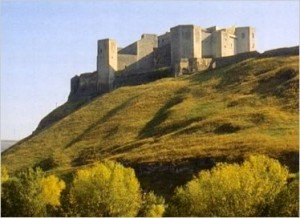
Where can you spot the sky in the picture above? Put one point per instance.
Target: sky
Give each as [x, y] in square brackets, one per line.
[45, 43]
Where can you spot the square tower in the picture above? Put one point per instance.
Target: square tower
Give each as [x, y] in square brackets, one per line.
[186, 43]
[107, 64]
[245, 40]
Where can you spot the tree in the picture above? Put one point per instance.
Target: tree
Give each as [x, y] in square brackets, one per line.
[106, 189]
[152, 206]
[51, 190]
[30, 193]
[231, 189]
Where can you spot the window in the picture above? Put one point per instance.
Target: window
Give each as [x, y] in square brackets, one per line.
[252, 35]
[243, 35]
[253, 45]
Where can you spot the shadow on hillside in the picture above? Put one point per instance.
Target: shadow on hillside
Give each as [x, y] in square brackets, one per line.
[277, 84]
[204, 76]
[150, 128]
[106, 117]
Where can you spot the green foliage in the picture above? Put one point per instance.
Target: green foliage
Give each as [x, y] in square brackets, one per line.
[51, 190]
[106, 189]
[286, 203]
[152, 206]
[30, 193]
[231, 190]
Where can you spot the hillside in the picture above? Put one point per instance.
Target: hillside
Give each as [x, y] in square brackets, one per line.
[5, 144]
[218, 115]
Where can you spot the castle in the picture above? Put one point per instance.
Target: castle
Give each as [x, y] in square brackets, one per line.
[184, 49]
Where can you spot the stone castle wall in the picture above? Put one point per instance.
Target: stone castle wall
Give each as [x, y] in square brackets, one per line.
[245, 39]
[125, 61]
[107, 64]
[162, 56]
[84, 87]
[130, 49]
[185, 43]
[164, 39]
[184, 49]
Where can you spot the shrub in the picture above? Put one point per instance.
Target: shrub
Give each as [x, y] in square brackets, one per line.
[57, 158]
[152, 206]
[231, 190]
[107, 189]
[31, 193]
[286, 203]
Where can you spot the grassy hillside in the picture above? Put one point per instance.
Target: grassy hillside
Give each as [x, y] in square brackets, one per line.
[59, 113]
[225, 114]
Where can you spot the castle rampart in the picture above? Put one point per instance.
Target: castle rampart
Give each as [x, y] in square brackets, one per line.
[183, 49]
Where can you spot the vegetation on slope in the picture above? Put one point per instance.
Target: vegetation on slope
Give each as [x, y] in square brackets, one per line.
[232, 190]
[225, 114]
[59, 113]
[260, 186]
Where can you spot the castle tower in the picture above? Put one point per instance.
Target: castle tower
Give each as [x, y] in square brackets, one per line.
[107, 64]
[245, 39]
[185, 44]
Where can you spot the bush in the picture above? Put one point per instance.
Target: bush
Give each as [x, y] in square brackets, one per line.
[152, 206]
[231, 190]
[31, 193]
[57, 158]
[107, 189]
[286, 203]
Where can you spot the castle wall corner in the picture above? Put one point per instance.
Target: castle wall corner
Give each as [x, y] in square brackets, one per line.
[107, 64]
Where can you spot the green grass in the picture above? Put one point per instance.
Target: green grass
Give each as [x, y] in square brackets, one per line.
[228, 113]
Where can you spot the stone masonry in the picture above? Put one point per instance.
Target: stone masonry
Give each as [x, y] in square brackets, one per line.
[184, 49]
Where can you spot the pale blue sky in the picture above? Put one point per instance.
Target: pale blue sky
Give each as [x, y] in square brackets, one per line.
[45, 43]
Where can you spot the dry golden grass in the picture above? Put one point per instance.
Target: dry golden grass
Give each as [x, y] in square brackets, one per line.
[249, 107]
